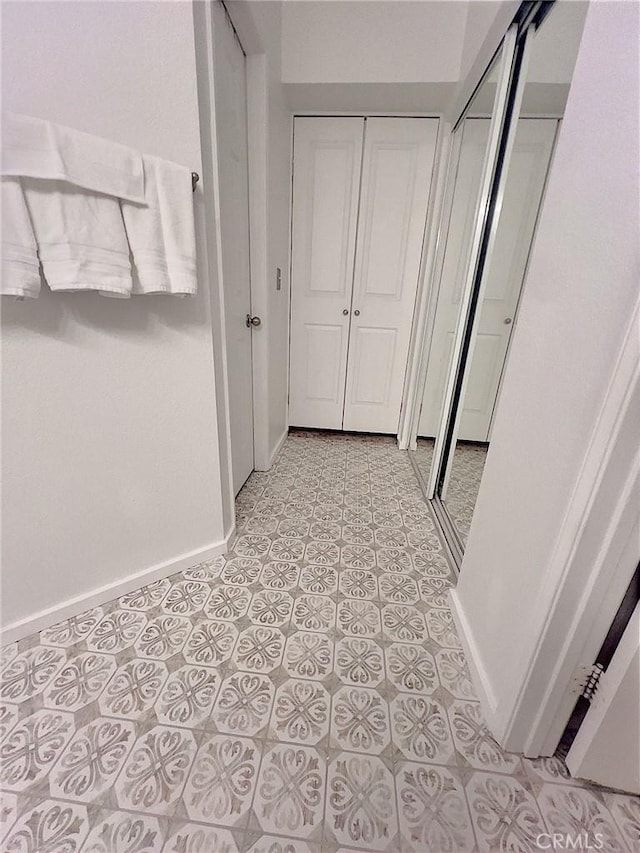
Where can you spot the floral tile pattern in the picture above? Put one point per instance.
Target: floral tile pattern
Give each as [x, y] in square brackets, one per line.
[187, 696]
[432, 810]
[301, 712]
[196, 838]
[117, 631]
[290, 793]
[505, 815]
[8, 811]
[454, 673]
[222, 782]
[474, 742]
[92, 760]
[359, 662]
[80, 681]
[29, 673]
[571, 810]
[72, 630]
[626, 813]
[133, 688]
[156, 770]
[304, 693]
[420, 729]
[29, 752]
[8, 718]
[49, 826]
[411, 668]
[361, 810]
[124, 832]
[360, 720]
[244, 703]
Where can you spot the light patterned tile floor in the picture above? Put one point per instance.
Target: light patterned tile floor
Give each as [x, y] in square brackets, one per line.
[304, 694]
[464, 482]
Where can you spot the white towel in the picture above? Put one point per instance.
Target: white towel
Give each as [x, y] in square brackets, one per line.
[20, 264]
[80, 236]
[161, 233]
[35, 148]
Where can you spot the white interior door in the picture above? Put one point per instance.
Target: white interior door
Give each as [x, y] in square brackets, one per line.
[396, 179]
[326, 177]
[523, 194]
[606, 749]
[231, 141]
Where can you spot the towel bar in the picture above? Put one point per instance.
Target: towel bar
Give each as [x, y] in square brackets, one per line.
[195, 177]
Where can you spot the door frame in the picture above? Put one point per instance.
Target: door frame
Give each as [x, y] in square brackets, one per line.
[211, 252]
[601, 529]
[257, 81]
[257, 147]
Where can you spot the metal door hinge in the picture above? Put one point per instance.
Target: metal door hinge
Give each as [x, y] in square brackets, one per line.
[587, 680]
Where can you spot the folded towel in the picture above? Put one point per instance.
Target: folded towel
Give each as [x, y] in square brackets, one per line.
[80, 236]
[35, 148]
[20, 264]
[161, 233]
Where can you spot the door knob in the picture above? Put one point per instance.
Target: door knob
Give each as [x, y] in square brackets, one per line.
[507, 321]
[345, 311]
[253, 321]
[357, 313]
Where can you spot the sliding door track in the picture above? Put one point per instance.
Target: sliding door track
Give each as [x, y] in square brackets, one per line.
[448, 531]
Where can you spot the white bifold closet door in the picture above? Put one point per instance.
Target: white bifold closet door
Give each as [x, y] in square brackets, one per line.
[326, 179]
[360, 197]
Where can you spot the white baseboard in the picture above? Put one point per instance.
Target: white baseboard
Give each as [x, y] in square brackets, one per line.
[476, 667]
[74, 606]
[278, 447]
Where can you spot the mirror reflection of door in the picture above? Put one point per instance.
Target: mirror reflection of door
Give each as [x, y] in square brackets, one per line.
[469, 152]
[528, 170]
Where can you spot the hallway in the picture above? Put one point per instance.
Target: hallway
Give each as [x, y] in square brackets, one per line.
[305, 693]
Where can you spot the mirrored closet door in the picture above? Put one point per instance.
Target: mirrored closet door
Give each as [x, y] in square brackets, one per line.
[492, 203]
[466, 197]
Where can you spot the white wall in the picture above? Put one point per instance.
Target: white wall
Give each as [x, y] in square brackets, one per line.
[110, 440]
[480, 17]
[359, 55]
[371, 42]
[578, 298]
[557, 42]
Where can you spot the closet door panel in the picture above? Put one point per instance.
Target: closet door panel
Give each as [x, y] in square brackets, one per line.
[397, 167]
[371, 353]
[324, 379]
[326, 176]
